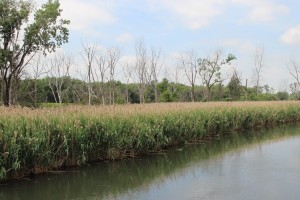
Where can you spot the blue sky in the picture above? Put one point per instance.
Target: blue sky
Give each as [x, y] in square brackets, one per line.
[177, 26]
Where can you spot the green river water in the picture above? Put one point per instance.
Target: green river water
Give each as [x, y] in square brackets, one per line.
[258, 164]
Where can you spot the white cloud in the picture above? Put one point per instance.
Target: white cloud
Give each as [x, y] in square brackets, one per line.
[291, 36]
[262, 10]
[125, 37]
[193, 13]
[85, 15]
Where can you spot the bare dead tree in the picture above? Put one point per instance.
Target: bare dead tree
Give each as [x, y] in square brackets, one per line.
[113, 56]
[189, 64]
[100, 74]
[258, 67]
[38, 68]
[155, 67]
[294, 70]
[141, 69]
[128, 73]
[59, 68]
[88, 54]
[173, 76]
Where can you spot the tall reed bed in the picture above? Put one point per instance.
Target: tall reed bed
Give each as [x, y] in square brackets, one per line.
[35, 141]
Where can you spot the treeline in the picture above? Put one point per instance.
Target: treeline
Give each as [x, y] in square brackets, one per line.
[38, 92]
[28, 79]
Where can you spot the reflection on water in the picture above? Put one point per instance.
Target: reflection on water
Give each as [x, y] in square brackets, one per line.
[263, 164]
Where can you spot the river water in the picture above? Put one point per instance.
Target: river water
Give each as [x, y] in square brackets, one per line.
[260, 164]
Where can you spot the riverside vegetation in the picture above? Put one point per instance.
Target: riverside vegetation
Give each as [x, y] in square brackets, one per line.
[46, 139]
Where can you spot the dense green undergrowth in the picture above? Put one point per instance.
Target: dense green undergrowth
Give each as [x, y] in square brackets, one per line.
[34, 145]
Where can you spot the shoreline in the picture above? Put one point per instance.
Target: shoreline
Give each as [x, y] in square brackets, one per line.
[34, 144]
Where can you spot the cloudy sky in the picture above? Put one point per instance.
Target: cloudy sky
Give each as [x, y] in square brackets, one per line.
[177, 26]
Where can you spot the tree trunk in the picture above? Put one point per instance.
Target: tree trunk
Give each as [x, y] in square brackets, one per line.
[156, 93]
[193, 93]
[6, 92]
[208, 93]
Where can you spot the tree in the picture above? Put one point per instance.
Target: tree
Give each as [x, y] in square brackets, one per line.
[88, 55]
[294, 70]
[282, 95]
[234, 87]
[189, 64]
[258, 68]
[210, 70]
[154, 70]
[113, 56]
[244, 88]
[20, 39]
[59, 69]
[38, 69]
[141, 69]
[127, 71]
[101, 69]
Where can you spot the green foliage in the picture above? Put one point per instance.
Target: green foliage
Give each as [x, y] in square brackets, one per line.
[234, 87]
[282, 96]
[210, 70]
[35, 144]
[45, 33]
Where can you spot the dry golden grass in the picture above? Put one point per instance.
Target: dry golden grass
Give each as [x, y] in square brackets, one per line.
[134, 109]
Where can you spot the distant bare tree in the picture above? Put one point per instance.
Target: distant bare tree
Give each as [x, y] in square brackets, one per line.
[101, 69]
[88, 55]
[141, 69]
[59, 68]
[155, 67]
[39, 68]
[294, 70]
[189, 64]
[173, 76]
[258, 67]
[128, 72]
[113, 56]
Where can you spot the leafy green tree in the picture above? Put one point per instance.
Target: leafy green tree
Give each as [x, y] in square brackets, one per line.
[283, 95]
[20, 39]
[165, 93]
[234, 87]
[210, 70]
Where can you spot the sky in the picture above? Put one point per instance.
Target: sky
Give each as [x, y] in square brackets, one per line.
[204, 26]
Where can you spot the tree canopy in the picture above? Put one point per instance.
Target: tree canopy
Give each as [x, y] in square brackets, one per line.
[21, 38]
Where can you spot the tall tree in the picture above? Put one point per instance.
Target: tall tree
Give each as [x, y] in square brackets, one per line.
[210, 70]
[88, 55]
[100, 74]
[155, 69]
[127, 71]
[59, 70]
[243, 87]
[258, 68]
[188, 62]
[141, 69]
[113, 56]
[21, 39]
[38, 67]
[294, 70]
[234, 86]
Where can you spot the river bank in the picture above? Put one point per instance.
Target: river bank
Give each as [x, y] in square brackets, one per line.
[37, 141]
